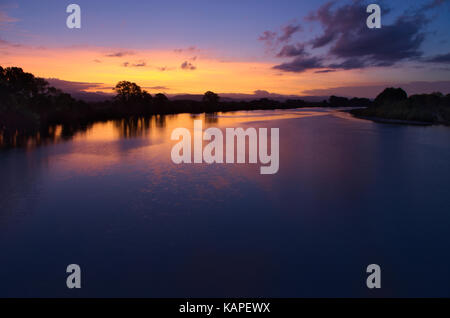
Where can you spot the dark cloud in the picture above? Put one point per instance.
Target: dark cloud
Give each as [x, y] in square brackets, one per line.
[324, 71]
[337, 22]
[187, 66]
[119, 54]
[69, 86]
[268, 37]
[349, 64]
[272, 40]
[287, 32]
[434, 4]
[78, 90]
[385, 46]
[443, 58]
[300, 64]
[292, 50]
[350, 38]
[348, 43]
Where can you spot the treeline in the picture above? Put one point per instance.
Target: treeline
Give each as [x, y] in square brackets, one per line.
[28, 103]
[395, 105]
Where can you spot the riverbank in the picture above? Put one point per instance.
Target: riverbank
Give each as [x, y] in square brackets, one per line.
[391, 121]
[395, 107]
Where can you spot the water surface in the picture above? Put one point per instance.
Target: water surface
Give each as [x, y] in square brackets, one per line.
[348, 193]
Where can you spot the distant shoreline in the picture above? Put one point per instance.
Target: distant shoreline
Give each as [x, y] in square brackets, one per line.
[30, 106]
[390, 120]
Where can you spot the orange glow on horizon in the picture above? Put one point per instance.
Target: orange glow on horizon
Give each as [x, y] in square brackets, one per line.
[162, 71]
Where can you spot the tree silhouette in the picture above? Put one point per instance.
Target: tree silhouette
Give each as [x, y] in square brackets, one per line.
[127, 91]
[390, 95]
[161, 98]
[210, 98]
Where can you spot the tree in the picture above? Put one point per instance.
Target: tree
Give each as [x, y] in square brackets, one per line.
[160, 102]
[146, 97]
[338, 101]
[127, 91]
[160, 98]
[390, 95]
[211, 98]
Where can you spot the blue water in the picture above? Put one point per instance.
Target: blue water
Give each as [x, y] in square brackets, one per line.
[348, 193]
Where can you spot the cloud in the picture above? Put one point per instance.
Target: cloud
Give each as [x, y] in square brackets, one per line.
[324, 71]
[396, 42]
[268, 37]
[272, 40]
[287, 32]
[119, 54]
[68, 86]
[188, 49]
[290, 50]
[348, 43]
[137, 64]
[434, 4]
[443, 58]
[156, 87]
[187, 66]
[78, 90]
[300, 64]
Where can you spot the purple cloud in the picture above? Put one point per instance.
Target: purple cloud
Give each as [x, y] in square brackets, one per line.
[138, 64]
[156, 87]
[443, 58]
[288, 31]
[69, 86]
[187, 66]
[292, 50]
[268, 37]
[119, 54]
[188, 49]
[349, 44]
[324, 71]
[300, 64]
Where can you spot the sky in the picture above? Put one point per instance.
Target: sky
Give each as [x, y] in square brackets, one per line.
[248, 46]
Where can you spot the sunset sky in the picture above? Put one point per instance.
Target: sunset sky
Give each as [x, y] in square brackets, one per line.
[284, 47]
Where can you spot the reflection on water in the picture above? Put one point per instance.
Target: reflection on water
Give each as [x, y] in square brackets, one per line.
[128, 127]
[107, 196]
